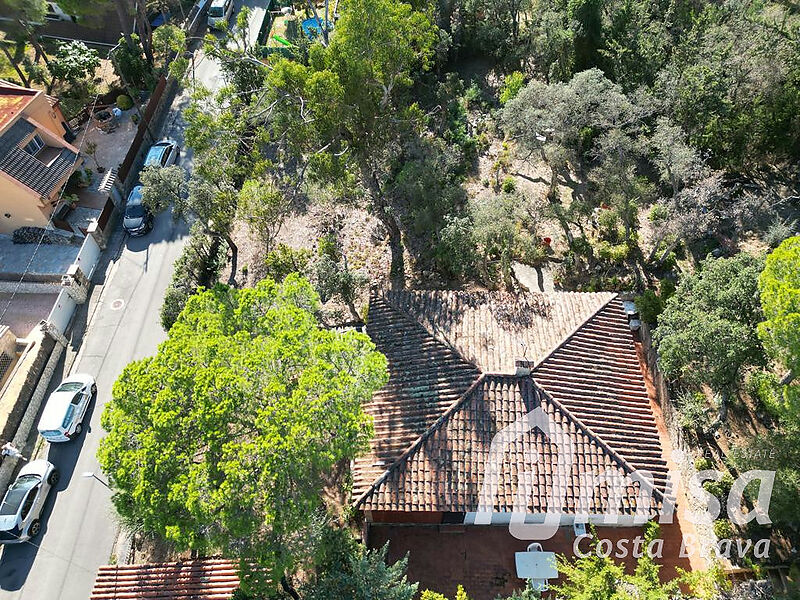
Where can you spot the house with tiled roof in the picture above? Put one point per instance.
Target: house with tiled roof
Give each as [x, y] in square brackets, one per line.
[504, 411]
[201, 579]
[36, 157]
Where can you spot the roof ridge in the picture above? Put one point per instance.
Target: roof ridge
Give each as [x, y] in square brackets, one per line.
[572, 334]
[416, 444]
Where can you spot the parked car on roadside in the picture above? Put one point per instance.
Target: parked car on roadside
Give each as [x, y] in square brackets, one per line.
[219, 13]
[22, 505]
[138, 219]
[62, 418]
[162, 154]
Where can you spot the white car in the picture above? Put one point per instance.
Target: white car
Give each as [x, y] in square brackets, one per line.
[62, 418]
[22, 505]
[162, 154]
[219, 13]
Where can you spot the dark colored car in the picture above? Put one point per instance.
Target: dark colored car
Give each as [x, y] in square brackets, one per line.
[138, 219]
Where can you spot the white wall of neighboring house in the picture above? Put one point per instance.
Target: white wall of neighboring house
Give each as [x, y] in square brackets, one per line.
[62, 311]
[87, 256]
[64, 306]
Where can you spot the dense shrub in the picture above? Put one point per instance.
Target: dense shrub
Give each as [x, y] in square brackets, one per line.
[284, 260]
[723, 529]
[693, 409]
[649, 305]
[615, 253]
[124, 102]
[198, 266]
[703, 463]
[720, 488]
[765, 388]
[512, 84]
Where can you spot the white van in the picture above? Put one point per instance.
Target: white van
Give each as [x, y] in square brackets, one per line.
[62, 418]
[219, 13]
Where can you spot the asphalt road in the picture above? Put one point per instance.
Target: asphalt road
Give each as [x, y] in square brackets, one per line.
[79, 526]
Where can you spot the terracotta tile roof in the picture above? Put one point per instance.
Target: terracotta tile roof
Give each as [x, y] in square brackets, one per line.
[13, 100]
[596, 375]
[584, 362]
[205, 579]
[425, 378]
[493, 329]
[28, 169]
[445, 468]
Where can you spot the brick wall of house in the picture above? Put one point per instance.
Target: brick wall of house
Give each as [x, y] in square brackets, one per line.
[481, 558]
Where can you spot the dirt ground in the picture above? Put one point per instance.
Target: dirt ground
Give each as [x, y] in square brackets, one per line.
[364, 244]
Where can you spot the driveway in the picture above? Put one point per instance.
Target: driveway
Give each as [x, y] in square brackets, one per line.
[79, 524]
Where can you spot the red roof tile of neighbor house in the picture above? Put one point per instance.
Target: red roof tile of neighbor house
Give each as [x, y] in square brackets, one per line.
[13, 100]
[430, 426]
[204, 579]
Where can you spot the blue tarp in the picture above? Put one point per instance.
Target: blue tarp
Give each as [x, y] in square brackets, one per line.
[312, 27]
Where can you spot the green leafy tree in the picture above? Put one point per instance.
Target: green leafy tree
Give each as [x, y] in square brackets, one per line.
[713, 84]
[74, 62]
[779, 287]
[707, 332]
[503, 231]
[23, 19]
[264, 208]
[776, 450]
[595, 577]
[284, 260]
[551, 40]
[496, 28]
[558, 122]
[197, 267]
[348, 112]
[130, 64]
[239, 59]
[332, 275]
[512, 84]
[169, 39]
[162, 186]
[222, 441]
[362, 574]
[429, 595]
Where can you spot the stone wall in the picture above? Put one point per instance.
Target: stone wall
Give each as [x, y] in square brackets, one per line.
[18, 389]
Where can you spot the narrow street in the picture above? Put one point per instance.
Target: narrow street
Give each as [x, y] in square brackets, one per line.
[79, 525]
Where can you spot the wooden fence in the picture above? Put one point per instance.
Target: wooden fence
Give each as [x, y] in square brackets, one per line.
[141, 132]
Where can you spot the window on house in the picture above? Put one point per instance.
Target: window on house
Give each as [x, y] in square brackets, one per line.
[35, 145]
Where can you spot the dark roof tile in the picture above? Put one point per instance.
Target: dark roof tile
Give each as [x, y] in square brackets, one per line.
[26, 168]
